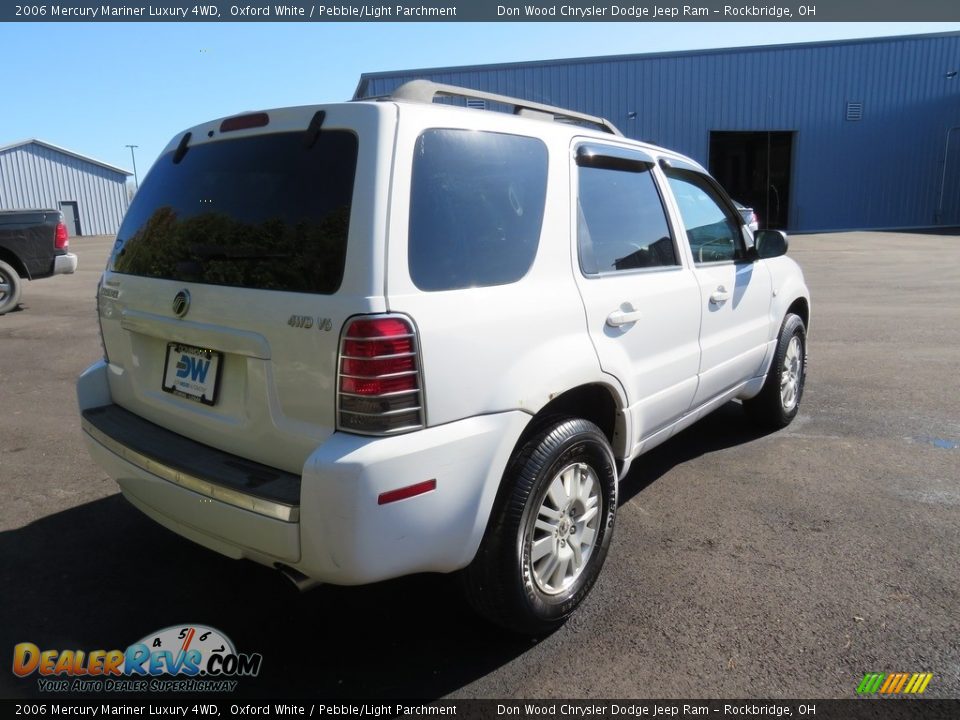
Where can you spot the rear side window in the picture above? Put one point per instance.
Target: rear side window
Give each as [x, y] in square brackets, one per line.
[621, 221]
[260, 212]
[476, 208]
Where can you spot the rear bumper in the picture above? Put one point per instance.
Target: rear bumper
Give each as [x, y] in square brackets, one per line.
[65, 264]
[336, 530]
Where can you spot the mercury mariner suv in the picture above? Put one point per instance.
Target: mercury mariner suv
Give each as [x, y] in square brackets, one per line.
[363, 340]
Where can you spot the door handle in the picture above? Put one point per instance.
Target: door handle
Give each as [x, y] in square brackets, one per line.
[619, 317]
[719, 296]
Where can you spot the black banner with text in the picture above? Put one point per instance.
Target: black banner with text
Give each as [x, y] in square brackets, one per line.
[488, 11]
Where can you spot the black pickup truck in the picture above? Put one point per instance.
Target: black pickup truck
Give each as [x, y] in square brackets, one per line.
[33, 244]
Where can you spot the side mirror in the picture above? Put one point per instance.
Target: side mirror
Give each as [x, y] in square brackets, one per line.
[771, 243]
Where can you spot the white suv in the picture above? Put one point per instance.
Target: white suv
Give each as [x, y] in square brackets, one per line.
[362, 340]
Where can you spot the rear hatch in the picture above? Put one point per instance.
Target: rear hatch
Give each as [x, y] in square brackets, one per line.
[245, 249]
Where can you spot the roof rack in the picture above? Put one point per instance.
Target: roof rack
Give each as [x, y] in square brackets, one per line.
[424, 91]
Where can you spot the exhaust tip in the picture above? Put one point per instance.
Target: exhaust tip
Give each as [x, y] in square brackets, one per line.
[300, 581]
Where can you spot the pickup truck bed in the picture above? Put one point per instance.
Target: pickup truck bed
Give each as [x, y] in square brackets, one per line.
[33, 245]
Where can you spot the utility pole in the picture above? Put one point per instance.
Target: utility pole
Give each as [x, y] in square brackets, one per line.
[133, 157]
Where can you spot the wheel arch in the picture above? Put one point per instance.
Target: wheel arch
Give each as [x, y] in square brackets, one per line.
[596, 402]
[801, 308]
[13, 261]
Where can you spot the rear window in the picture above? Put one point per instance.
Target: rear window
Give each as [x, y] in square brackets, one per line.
[261, 212]
[475, 208]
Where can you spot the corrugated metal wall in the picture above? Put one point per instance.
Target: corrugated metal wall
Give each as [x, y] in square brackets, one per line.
[883, 171]
[36, 176]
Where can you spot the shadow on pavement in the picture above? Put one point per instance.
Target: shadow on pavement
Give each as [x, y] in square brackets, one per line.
[726, 427]
[103, 576]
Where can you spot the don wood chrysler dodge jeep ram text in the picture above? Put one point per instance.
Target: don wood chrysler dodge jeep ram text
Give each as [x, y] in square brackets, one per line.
[362, 340]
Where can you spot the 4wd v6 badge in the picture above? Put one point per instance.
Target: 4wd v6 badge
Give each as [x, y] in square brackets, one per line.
[306, 321]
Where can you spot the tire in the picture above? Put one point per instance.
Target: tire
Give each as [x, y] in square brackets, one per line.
[779, 401]
[9, 288]
[556, 506]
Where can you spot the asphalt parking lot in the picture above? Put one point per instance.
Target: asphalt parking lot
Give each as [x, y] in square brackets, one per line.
[743, 565]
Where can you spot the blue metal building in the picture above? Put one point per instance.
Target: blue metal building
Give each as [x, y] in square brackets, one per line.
[91, 194]
[815, 136]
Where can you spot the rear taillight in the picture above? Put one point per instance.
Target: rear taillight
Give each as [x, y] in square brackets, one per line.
[62, 239]
[379, 390]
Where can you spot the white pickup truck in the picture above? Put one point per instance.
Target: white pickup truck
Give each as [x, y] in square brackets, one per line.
[362, 340]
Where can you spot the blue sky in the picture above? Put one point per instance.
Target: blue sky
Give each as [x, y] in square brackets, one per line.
[95, 87]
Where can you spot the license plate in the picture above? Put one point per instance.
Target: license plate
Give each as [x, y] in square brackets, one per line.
[192, 372]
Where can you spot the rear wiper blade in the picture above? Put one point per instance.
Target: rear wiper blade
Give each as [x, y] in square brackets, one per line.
[182, 149]
[313, 129]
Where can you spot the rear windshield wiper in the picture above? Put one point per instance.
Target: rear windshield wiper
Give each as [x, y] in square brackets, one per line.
[313, 129]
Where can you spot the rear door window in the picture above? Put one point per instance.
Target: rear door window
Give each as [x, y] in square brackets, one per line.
[476, 208]
[261, 212]
[622, 224]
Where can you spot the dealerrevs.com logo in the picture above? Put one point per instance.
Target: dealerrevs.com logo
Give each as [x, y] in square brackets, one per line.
[180, 658]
